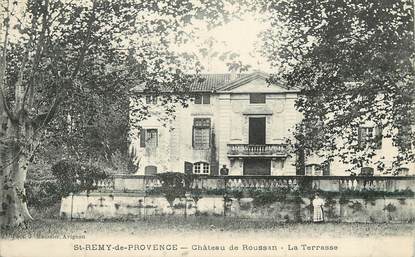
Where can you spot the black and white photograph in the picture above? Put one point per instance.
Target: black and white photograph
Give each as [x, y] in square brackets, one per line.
[275, 128]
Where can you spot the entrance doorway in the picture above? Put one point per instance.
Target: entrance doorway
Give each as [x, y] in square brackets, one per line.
[257, 167]
[257, 131]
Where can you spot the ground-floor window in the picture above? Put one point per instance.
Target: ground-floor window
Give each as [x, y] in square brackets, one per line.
[201, 168]
[313, 170]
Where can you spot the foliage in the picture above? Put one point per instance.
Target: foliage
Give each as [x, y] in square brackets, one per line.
[73, 177]
[369, 198]
[330, 205]
[173, 185]
[66, 73]
[367, 194]
[402, 200]
[343, 199]
[355, 206]
[42, 193]
[390, 208]
[265, 197]
[352, 62]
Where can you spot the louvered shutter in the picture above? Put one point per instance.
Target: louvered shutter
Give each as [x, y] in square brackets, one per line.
[378, 137]
[361, 137]
[326, 168]
[142, 138]
[188, 167]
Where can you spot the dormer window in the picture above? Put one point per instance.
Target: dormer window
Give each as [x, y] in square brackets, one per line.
[257, 98]
[151, 99]
[202, 99]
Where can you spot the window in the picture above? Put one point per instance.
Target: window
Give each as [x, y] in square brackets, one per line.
[313, 170]
[257, 98]
[201, 168]
[366, 171]
[370, 135]
[404, 137]
[201, 133]
[402, 171]
[151, 99]
[150, 170]
[202, 99]
[149, 138]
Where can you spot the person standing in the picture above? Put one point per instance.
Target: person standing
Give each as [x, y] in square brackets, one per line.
[224, 171]
[318, 214]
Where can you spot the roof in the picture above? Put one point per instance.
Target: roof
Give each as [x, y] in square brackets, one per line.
[222, 82]
[211, 82]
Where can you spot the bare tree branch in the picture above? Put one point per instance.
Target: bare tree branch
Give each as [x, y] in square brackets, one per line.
[39, 50]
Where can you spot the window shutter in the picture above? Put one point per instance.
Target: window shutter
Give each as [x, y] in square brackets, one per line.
[188, 167]
[360, 137]
[142, 138]
[193, 136]
[156, 134]
[198, 99]
[326, 168]
[404, 137]
[378, 137]
[206, 99]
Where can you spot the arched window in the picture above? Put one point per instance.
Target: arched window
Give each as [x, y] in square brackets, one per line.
[201, 168]
[150, 170]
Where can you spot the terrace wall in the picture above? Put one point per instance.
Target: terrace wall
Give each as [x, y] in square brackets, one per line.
[287, 198]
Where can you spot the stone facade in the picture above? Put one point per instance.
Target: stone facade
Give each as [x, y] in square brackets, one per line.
[230, 112]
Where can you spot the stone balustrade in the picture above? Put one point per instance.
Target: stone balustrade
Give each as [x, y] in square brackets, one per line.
[249, 150]
[139, 183]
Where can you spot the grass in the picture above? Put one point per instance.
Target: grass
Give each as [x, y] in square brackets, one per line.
[47, 228]
[48, 225]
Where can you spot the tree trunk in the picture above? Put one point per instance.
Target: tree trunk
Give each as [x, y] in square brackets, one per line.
[14, 166]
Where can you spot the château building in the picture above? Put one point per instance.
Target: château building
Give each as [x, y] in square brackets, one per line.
[240, 121]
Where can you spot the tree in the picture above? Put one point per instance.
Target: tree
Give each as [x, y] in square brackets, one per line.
[60, 58]
[352, 61]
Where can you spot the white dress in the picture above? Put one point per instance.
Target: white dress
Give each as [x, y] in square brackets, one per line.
[318, 215]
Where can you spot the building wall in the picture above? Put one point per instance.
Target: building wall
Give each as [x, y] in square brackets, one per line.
[229, 114]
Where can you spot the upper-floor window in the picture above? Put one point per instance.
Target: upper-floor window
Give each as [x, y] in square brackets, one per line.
[151, 99]
[149, 138]
[404, 138]
[201, 133]
[201, 168]
[369, 135]
[257, 98]
[202, 99]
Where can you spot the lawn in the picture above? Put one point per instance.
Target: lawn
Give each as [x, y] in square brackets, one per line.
[47, 228]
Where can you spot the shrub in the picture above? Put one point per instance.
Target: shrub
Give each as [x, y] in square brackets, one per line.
[265, 197]
[42, 193]
[74, 177]
[390, 208]
[356, 206]
[173, 185]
